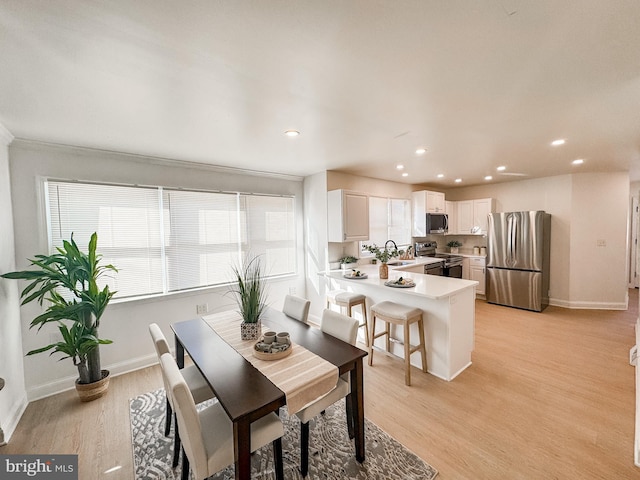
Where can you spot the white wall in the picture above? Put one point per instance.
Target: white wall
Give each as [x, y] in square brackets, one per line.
[579, 204]
[125, 323]
[13, 399]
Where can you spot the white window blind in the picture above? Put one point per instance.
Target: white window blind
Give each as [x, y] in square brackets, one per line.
[127, 221]
[166, 240]
[389, 219]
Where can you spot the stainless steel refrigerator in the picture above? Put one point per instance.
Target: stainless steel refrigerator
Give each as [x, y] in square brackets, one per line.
[518, 259]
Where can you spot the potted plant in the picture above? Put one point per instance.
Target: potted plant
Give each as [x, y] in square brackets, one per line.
[453, 246]
[348, 262]
[383, 256]
[67, 280]
[250, 295]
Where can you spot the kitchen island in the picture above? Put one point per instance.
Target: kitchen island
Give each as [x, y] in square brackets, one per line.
[448, 306]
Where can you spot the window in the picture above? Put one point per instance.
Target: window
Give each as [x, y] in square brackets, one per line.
[167, 240]
[389, 219]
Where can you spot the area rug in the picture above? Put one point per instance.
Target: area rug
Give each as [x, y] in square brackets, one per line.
[331, 453]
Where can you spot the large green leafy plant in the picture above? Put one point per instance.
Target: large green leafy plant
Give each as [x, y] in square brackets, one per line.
[67, 281]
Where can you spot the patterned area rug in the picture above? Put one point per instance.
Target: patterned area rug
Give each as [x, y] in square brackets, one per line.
[331, 454]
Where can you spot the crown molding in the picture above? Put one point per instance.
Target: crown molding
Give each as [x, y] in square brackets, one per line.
[5, 136]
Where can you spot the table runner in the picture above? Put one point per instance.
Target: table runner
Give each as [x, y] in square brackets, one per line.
[303, 376]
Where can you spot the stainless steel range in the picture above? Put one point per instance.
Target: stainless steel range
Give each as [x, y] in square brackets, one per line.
[452, 264]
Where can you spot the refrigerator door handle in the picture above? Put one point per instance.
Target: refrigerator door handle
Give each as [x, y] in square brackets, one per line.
[509, 256]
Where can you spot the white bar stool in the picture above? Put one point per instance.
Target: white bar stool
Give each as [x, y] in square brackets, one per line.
[348, 300]
[390, 312]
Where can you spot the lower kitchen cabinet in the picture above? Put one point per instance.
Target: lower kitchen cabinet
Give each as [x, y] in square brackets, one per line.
[477, 273]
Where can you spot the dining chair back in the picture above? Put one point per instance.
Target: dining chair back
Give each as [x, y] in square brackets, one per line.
[195, 381]
[340, 326]
[296, 307]
[346, 329]
[208, 434]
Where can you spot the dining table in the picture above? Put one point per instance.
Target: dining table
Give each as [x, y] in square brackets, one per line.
[245, 393]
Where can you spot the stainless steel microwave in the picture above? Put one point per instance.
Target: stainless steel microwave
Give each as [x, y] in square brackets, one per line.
[437, 223]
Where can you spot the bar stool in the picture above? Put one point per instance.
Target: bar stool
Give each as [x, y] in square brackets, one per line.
[342, 298]
[390, 312]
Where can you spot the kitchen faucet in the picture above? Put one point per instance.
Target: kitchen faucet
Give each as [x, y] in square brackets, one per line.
[394, 244]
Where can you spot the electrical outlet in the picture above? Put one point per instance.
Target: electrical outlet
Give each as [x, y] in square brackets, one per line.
[601, 243]
[292, 290]
[202, 308]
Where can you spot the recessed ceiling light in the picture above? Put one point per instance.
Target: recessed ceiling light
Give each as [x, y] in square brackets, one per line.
[421, 151]
[458, 180]
[488, 177]
[578, 161]
[440, 175]
[399, 167]
[292, 133]
[558, 142]
[501, 168]
[405, 174]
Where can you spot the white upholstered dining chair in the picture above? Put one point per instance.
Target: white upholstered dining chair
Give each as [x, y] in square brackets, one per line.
[296, 307]
[346, 329]
[207, 435]
[194, 380]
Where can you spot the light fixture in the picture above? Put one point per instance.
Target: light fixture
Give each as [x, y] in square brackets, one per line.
[558, 142]
[501, 168]
[292, 133]
[458, 180]
[405, 174]
[488, 177]
[399, 167]
[440, 175]
[578, 161]
[421, 151]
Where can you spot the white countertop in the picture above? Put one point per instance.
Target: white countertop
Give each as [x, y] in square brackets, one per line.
[430, 286]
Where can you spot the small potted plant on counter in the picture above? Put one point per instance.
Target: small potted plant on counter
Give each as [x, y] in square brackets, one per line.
[453, 246]
[383, 256]
[348, 262]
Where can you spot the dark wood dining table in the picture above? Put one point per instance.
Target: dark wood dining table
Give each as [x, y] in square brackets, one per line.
[246, 394]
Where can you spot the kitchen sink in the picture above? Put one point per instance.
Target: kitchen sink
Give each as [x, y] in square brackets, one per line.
[397, 263]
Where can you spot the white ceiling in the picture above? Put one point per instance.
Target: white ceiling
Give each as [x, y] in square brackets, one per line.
[480, 83]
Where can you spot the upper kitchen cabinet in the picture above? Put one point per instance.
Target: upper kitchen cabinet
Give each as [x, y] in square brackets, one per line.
[348, 216]
[472, 215]
[451, 209]
[425, 202]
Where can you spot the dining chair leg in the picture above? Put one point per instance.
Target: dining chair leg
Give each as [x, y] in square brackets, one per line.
[304, 449]
[185, 466]
[277, 458]
[167, 425]
[176, 442]
[349, 409]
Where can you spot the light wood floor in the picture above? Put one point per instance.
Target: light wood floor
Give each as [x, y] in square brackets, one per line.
[549, 396]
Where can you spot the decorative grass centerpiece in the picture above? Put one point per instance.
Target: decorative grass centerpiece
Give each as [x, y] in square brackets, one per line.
[250, 295]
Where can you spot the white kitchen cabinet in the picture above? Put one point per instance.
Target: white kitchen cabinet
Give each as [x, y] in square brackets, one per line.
[477, 273]
[466, 274]
[451, 209]
[424, 202]
[472, 215]
[348, 216]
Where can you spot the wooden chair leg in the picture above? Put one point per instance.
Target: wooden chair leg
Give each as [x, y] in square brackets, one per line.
[366, 326]
[185, 466]
[387, 330]
[304, 448]
[373, 337]
[407, 354]
[277, 458]
[167, 425]
[176, 441]
[423, 350]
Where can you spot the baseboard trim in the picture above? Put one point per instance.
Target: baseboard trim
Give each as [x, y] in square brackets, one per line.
[13, 418]
[68, 383]
[589, 305]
